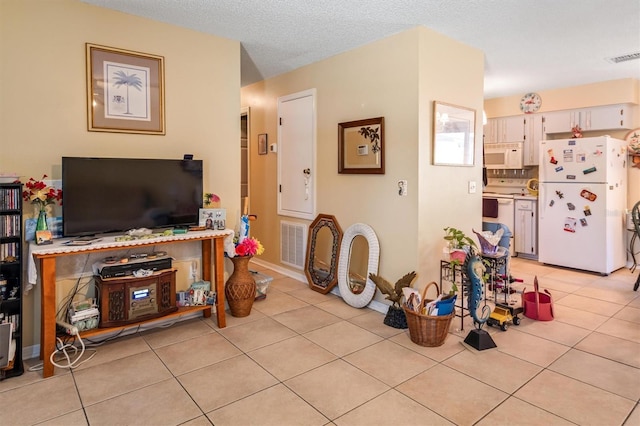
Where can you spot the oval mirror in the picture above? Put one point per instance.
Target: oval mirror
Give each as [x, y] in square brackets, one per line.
[323, 251]
[359, 256]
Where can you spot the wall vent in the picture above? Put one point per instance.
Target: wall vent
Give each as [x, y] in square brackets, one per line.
[293, 244]
[624, 58]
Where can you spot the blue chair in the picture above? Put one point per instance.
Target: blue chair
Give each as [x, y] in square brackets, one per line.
[504, 242]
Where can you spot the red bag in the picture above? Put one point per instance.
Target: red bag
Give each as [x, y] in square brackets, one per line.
[536, 305]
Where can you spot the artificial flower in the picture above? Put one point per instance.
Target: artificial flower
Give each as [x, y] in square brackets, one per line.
[210, 197]
[38, 193]
[249, 247]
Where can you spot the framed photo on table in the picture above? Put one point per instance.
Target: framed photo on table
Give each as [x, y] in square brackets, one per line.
[213, 218]
[125, 91]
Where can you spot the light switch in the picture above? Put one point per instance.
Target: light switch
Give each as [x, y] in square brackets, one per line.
[402, 188]
[472, 187]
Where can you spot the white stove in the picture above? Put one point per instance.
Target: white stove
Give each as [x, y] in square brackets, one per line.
[498, 205]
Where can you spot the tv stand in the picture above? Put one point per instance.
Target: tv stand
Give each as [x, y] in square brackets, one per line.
[212, 254]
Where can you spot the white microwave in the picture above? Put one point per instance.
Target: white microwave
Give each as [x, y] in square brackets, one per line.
[504, 155]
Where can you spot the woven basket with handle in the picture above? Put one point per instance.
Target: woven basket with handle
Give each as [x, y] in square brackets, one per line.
[428, 330]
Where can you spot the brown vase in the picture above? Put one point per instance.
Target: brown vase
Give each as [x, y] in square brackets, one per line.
[240, 288]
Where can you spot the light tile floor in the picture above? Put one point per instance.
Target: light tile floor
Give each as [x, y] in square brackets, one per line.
[303, 358]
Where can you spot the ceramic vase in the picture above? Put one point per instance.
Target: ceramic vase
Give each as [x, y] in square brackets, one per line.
[240, 288]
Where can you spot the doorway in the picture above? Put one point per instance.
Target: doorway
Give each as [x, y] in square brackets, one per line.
[244, 160]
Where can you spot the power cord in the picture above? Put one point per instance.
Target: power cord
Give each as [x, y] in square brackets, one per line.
[64, 347]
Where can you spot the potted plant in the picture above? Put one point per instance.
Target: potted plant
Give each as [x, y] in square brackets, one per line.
[395, 317]
[457, 242]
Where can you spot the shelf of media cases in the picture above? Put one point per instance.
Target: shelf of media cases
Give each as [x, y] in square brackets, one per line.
[11, 284]
[496, 266]
[42, 262]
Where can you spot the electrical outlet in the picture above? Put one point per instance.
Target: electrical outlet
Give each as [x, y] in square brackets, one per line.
[402, 188]
[472, 187]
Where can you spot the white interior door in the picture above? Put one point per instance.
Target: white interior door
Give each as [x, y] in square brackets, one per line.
[296, 155]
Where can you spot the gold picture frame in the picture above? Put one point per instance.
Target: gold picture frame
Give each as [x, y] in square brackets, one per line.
[125, 91]
[262, 143]
[453, 135]
[361, 146]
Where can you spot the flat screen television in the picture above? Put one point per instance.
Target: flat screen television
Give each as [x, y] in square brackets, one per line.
[101, 195]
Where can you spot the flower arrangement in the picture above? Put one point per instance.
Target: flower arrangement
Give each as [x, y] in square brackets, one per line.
[243, 244]
[249, 247]
[40, 194]
[210, 198]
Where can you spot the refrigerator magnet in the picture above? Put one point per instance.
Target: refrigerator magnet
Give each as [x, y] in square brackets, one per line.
[589, 170]
[559, 169]
[551, 203]
[567, 155]
[553, 160]
[572, 142]
[583, 222]
[571, 177]
[581, 157]
[588, 195]
[571, 206]
[587, 211]
[560, 194]
[570, 224]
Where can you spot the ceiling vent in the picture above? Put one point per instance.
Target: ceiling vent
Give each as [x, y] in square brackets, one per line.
[624, 58]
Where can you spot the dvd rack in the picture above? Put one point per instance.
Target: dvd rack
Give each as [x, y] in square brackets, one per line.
[11, 274]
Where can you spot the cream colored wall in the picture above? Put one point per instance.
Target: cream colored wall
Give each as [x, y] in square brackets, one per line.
[604, 93]
[397, 78]
[450, 72]
[379, 79]
[43, 98]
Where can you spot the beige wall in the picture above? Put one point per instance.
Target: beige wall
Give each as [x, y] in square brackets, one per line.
[43, 97]
[398, 78]
[624, 91]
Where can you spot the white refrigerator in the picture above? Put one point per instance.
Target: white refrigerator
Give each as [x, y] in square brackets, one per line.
[582, 202]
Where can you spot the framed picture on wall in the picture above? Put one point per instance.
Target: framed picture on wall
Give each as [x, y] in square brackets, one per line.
[125, 91]
[453, 135]
[262, 143]
[361, 146]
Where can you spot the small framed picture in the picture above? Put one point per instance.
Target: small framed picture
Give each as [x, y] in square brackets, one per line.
[44, 237]
[213, 218]
[262, 143]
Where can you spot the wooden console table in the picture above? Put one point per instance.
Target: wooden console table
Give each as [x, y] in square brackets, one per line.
[46, 255]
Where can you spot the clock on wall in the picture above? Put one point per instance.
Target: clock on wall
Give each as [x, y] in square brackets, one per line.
[530, 103]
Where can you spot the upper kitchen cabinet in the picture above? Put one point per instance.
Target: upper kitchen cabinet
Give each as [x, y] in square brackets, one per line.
[533, 134]
[504, 129]
[608, 117]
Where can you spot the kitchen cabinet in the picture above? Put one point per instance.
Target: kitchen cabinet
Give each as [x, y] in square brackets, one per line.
[504, 129]
[526, 227]
[533, 134]
[607, 117]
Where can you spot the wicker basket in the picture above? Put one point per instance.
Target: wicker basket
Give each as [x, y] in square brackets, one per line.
[428, 330]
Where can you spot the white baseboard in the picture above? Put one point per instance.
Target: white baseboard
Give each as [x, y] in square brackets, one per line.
[374, 304]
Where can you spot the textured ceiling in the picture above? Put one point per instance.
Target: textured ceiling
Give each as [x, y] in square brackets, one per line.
[529, 45]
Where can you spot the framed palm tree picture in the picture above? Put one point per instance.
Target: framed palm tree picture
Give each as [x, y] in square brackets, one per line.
[125, 91]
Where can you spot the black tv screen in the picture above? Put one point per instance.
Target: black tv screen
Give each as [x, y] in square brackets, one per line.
[101, 195]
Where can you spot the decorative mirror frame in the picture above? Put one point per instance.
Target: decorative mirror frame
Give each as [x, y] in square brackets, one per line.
[452, 119]
[358, 300]
[323, 284]
[361, 146]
